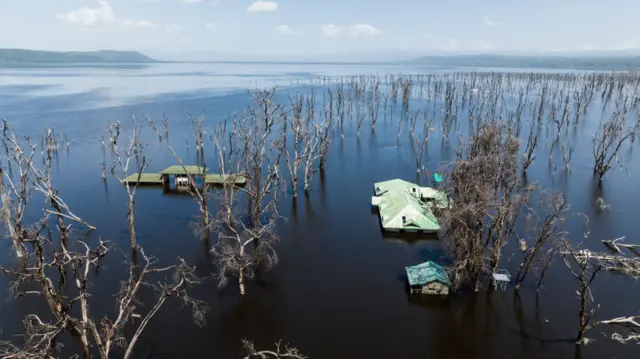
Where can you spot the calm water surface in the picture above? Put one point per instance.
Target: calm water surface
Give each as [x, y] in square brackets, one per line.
[339, 291]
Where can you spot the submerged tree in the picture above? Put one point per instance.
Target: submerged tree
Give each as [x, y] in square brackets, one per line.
[585, 271]
[243, 244]
[120, 169]
[45, 271]
[488, 196]
[607, 143]
[545, 234]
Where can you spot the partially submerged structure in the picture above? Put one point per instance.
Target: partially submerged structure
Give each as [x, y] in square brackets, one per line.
[428, 278]
[407, 207]
[180, 178]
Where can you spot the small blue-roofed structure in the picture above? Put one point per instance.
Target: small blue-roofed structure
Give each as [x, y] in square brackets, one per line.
[428, 278]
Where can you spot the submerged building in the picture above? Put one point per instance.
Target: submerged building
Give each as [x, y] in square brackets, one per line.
[428, 278]
[406, 207]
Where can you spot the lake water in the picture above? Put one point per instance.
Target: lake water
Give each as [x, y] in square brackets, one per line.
[339, 290]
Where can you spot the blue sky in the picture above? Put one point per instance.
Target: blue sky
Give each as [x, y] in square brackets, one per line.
[306, 27]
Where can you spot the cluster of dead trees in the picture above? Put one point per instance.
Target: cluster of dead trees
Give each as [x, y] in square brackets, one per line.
[488, 197]
[59, 265]
[540, 109]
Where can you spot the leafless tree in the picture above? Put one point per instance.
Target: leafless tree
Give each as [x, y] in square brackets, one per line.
[312, 137]
[567, 152]
[529, 153]
[280, 353]
[585, 271]
[93, 336]
[545, 234]
[199, 193]
[47, 264]
[374, 100]
[261, 157]
[419, 140]
[296, 124]
[607, 143]
[120, 169]
[242, 247]
[16, 196]
[488, 197]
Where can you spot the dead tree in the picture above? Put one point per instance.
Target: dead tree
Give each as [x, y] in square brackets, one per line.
[260, 156]
[312, 137]
[242, 247]
[585, 271]
[545, 233]
[199, 193]
[567, 152]
[120, 169]
[16, 196]
[529, 153]
[250, 352]
[324, 141]
[488, 197]
[297, 128]
[419, 141]
[607, 143]
[92, 332]
[374, 101]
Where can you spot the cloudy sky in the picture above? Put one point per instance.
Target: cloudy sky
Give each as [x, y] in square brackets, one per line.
[320, 27]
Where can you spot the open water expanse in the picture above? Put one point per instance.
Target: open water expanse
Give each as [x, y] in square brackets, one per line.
[339, 289]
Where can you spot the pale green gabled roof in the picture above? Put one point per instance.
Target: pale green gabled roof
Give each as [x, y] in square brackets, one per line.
[427, 272]
[179, 170]
[399, 198]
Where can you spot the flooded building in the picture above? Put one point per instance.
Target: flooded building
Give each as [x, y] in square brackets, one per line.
[428, 278]
[407, 207]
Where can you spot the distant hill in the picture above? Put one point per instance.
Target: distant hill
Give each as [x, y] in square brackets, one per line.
[531, 61]
[27, 57]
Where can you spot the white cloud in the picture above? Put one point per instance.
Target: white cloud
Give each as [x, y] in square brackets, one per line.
[210, 25]
[103, 15]
[364, 30]
[490, 23]
[332, 30]
[284, 30]
[191, 1]
[263, 6]
[90, 16]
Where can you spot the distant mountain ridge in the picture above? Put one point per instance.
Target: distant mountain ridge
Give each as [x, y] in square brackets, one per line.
[602, 62]
[22, 57]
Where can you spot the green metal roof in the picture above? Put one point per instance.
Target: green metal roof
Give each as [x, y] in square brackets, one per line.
[218, 179]
[400, 199]
[147, 178]
[179, 170]
[427, 272]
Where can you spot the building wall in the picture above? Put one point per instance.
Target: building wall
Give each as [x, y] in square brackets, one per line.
[436, 288]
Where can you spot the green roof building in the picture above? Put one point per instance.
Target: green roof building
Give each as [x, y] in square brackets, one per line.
[407, 207]
[428, 278]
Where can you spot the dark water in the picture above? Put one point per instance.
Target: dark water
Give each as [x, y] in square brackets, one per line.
[339, 290]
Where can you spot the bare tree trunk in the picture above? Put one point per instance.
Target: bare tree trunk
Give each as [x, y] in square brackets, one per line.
[14, 232]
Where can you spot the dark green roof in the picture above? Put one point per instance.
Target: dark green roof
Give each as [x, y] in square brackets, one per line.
[427, 272]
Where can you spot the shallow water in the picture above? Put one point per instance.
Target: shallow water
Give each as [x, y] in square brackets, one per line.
[339, 290]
